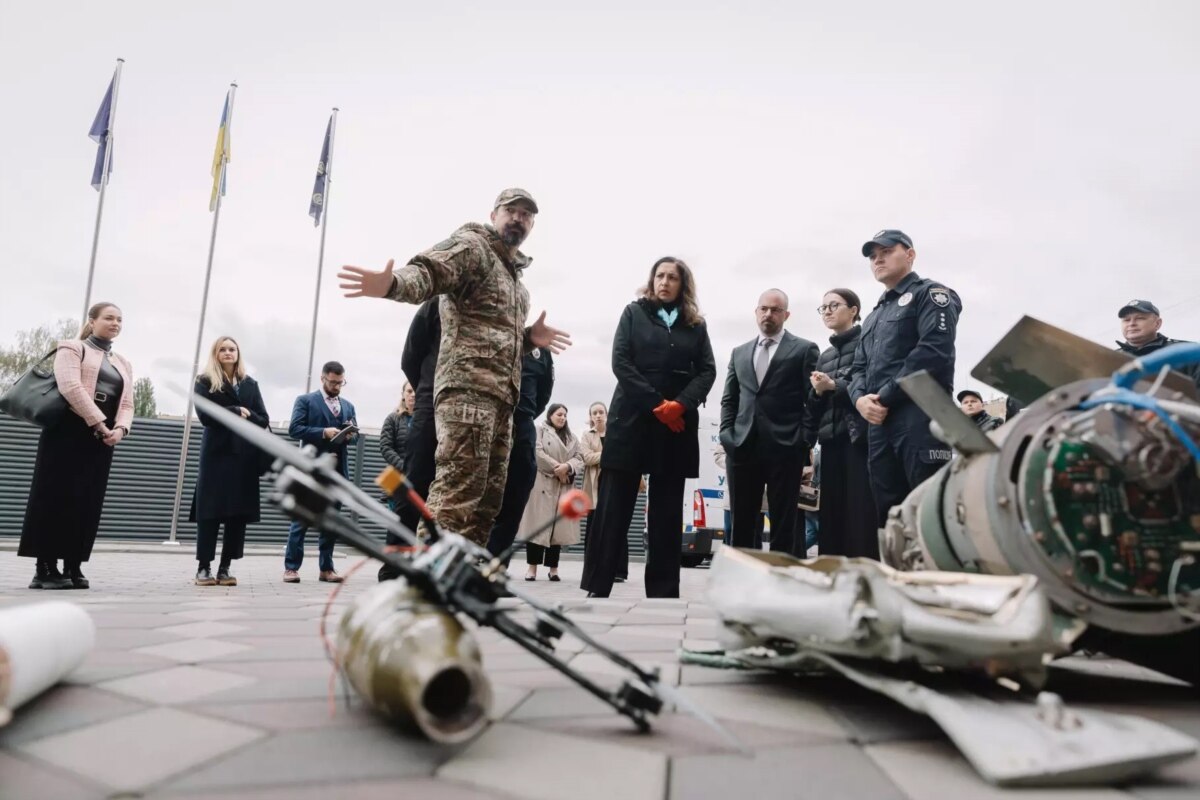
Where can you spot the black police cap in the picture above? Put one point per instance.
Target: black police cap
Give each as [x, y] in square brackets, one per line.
[887, 238]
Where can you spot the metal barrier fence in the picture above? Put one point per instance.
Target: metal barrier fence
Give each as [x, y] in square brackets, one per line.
[141, 487]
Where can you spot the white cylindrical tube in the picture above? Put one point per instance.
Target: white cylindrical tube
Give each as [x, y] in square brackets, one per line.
[39, 645]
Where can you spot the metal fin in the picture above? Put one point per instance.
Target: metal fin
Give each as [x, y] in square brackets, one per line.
[957, 429]
[1035, 357]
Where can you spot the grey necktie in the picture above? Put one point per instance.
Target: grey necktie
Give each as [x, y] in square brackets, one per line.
[764, 360]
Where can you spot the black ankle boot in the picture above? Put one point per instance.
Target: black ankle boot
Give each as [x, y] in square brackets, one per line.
[223, 576]
[47, 576]
[204, 576]
[74, 574]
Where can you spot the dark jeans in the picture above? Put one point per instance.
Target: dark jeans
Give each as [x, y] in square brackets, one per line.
[606, 543]
[206, 540]
[522, 473]
[536, 554]
[294, 556]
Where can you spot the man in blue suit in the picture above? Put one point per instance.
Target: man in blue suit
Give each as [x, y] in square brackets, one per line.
[317, 418]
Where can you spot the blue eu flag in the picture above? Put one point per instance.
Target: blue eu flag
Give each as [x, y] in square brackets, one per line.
[316, 203]
[100, 134]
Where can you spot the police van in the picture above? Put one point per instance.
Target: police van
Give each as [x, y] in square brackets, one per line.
[705, 510]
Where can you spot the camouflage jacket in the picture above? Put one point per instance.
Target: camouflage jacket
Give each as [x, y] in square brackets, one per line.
[483, 309]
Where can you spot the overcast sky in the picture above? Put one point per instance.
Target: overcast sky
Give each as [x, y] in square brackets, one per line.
[1043, 156]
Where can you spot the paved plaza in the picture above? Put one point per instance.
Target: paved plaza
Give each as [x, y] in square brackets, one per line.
[211, 692]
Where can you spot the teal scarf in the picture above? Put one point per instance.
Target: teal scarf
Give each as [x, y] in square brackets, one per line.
[668, 317]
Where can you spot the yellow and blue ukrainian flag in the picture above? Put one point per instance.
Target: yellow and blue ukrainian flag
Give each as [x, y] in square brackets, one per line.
[220, 156]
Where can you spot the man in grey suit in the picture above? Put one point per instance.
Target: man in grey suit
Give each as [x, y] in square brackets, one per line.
[763, 413]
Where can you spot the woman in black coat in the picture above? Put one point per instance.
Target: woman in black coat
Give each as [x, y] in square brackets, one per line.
[847, 512]
[227, 486]
[663, 362]
[393, 437]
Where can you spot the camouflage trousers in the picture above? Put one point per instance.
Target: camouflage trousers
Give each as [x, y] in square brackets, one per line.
[474, 437]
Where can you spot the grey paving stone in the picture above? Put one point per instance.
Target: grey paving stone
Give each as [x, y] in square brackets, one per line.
[562, 764]
[423, 788]
[505, 699]
[768, 704]
[141, 749]
[275, 648]
[596, 664]
[176, 685]
[129, 638]
[105, 665]
[304, 757]
[634, 643]
[676, 734]
[192, 651]
[291, 715]
[572, 703]
[63, 708]
[129, 619]
[539, 678]
[211, 614]
[870, 718]
[808, 772]
[665, 632]
[935, 771]
[21, 779]
[201, 629]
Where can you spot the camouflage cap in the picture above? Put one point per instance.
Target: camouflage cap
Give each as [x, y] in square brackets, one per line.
[515, 195]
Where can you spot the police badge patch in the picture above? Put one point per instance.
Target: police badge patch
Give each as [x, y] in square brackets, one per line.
[940, 296]
[906, 299]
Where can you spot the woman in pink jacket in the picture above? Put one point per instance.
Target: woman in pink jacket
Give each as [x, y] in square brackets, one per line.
[74, 455]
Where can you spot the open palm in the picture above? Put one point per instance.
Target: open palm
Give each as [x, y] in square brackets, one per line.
[359, 282]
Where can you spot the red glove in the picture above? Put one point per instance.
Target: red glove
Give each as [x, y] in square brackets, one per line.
[670, 413]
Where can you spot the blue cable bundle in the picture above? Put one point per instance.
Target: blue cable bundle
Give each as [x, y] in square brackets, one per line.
[1123, 380]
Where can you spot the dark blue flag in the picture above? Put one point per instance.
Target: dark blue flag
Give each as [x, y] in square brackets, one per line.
[316, 204]
[100, 134]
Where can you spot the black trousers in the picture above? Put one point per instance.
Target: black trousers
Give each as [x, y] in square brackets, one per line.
[751, 469]
[418, 465]
[536, 554]
[848, 517]
[522, 473]
[206, 540]
[606, 543]
[901, 454]
[623, 567]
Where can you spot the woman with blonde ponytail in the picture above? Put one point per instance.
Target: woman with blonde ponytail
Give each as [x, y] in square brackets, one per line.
[74, 456]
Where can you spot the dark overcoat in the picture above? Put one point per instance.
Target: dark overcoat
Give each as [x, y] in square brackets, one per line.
[228, 480]
[653, 363]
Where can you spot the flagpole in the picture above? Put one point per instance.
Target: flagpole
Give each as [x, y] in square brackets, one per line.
[312, 339]
[108, 142]
[212, 243]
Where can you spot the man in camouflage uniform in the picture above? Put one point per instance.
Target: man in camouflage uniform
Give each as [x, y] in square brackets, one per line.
[483, 305]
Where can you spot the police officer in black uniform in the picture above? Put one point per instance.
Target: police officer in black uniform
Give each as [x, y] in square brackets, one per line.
[912, 328]
[971, 403]
[537, 383]
[1140, 324]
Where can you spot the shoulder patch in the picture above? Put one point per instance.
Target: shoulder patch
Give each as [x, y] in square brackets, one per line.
[940, 296]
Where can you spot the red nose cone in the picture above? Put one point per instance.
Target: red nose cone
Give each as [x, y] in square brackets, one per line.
[575, 504]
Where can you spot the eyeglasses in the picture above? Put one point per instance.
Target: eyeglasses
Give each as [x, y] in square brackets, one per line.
[334, 383]
[829, 308]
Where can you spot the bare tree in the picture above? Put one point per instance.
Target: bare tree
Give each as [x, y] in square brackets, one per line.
[30, 347]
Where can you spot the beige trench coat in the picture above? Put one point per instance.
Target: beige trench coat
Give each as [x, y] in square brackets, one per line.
[590, 447]
[543, 500]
